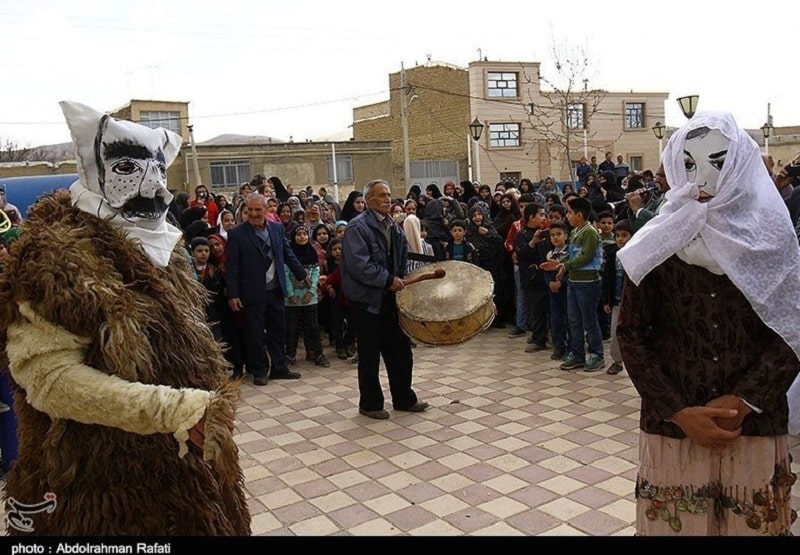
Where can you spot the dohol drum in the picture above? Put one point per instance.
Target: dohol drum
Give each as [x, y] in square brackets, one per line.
[449, 310]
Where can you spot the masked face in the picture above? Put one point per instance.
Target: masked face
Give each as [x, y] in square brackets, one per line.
[124, 162]
[704, 154]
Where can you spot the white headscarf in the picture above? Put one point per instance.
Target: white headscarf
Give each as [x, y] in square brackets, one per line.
[746, 227]
[103, 194]
[411, 228]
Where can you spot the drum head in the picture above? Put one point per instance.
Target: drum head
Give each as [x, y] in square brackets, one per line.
[448, 310]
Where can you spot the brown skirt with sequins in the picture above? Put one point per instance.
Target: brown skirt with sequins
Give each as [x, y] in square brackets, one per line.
[685, 489]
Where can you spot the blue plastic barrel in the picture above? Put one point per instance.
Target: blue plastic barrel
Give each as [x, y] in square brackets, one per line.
[9, 443]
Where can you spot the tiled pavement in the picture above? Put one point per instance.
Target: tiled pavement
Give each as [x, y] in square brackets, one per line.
[511, 446]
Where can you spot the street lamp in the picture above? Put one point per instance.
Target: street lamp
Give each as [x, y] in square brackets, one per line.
[766, 129]
[688, 105]
[475, 130]
[658, 131]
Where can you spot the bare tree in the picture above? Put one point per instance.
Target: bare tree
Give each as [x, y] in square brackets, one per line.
[10, 151]
[562, 116]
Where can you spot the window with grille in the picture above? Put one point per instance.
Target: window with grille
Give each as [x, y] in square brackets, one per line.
[636, 163]
[503, 135]
[167, 120]
[502, 84]
[576, 118]
[425, 172]
[227, 173]
[634, 115]
[344, 169]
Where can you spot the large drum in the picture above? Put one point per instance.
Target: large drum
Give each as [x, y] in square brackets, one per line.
[449, 310]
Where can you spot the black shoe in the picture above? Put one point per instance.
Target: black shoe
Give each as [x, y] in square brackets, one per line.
[376, 414]
[419, 406]
[322, 361]
[341, 353]
[288, 375]
[260, 380]
[516, 332]
[535, 348]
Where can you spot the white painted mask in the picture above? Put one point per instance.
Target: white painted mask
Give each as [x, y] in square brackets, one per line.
[704, 153]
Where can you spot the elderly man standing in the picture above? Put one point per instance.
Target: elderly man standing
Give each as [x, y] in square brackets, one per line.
[257, 252]
[374, 252]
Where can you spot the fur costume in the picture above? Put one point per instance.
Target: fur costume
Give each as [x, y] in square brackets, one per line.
[112, 364]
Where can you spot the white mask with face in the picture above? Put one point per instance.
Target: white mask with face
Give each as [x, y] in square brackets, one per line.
[704, 153]
[123, 168]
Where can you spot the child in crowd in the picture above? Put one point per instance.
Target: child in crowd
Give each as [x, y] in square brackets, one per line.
[302, 299]
[531, 245]
[339, 229]
[605, 227]
[342, 336]
[612, 288]
[559, 326]
[226, 221]
[458, 248]
[419, 251]
[210, 276]
[584, 291]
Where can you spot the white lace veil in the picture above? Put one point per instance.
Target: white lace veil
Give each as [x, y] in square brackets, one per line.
[746, 227]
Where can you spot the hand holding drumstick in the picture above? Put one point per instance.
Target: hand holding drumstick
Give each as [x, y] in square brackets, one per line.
[438, 273]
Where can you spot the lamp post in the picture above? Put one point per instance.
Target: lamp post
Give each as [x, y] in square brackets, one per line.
[766, 129]
[658, 131]
[688, 105]
[475, 130]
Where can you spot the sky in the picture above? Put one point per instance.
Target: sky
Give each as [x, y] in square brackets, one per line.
[296, 69]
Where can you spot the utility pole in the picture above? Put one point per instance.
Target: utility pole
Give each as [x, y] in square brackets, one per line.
[197, 180]
[404, 123]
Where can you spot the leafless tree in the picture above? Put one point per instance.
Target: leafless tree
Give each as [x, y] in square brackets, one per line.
[566, 108]
[11, 151]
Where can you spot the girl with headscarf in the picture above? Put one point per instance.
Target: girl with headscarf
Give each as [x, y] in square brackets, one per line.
[433, 191]
[419, 251]
[484, 237]
[549, 186]
[278, 188]
[353, 205]
[302, 299]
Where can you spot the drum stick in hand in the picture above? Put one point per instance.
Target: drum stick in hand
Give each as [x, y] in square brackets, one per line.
[436, 274]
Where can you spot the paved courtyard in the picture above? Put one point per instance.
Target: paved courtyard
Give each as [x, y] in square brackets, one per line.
[511, 446]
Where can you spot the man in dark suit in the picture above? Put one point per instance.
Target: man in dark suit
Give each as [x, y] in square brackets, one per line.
[257, 252]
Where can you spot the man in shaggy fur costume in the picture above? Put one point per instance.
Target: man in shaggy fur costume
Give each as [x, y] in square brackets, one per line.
[125, 413]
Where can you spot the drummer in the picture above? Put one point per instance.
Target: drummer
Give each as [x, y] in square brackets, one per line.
[374, 256]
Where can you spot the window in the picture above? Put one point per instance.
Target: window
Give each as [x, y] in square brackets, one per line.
[167, 120]
[502, 84]
[434, 171]
[634, 115]
[576, 116]
[344, 169]
[504, 135]
[230, 173]
[636, 163]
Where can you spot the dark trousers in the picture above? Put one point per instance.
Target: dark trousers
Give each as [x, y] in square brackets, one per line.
[559, 328]
[307, 316]
[260, 317]
[340, 330]
[380, 335]
[538, 308]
